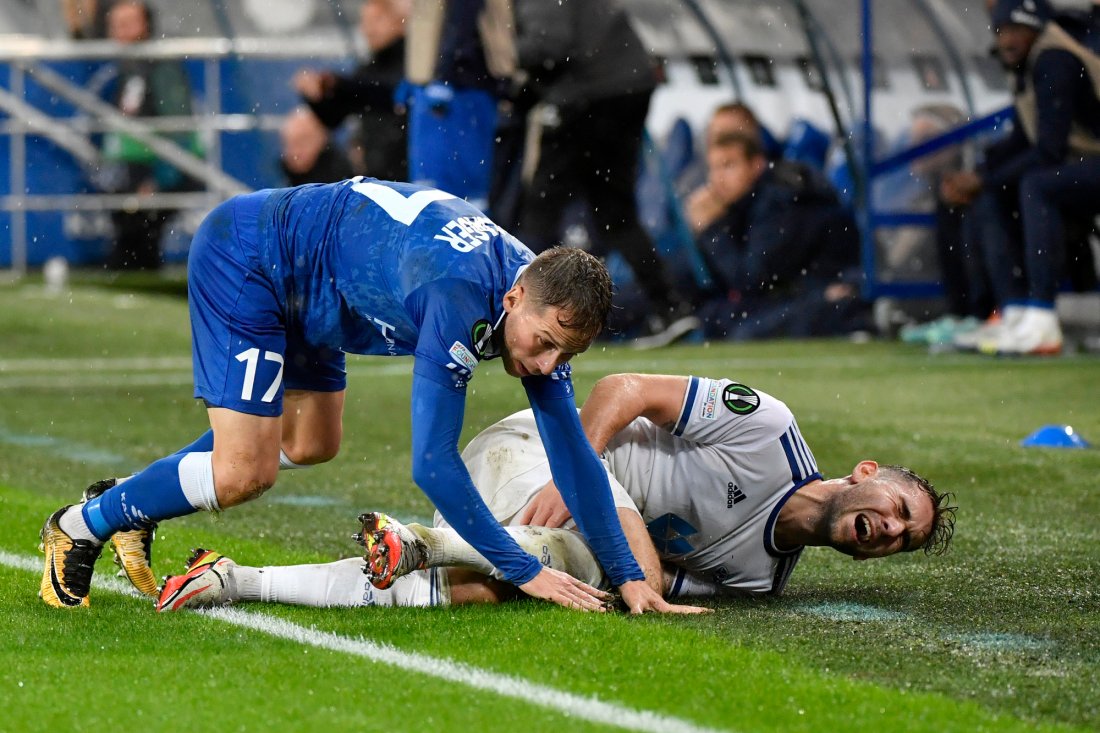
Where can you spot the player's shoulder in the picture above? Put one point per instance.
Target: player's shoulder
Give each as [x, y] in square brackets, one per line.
[728, 399]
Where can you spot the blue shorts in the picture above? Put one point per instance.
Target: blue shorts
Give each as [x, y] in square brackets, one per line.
[244, 356]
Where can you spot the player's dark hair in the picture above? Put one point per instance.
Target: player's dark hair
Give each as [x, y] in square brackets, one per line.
[574, 281]
[943, 520]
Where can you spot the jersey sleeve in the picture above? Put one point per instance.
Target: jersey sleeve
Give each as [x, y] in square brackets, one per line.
[579, 473]
[743, 419]
[437, 412]
[448, 312]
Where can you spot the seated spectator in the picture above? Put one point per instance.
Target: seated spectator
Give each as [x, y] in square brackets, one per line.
[733, 117]
[967, 298]
[307, 152]
[783, 253]
[145, 88]
[1048, 170]
[379, 149]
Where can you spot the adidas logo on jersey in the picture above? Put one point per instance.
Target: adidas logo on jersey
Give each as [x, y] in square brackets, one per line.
[734, 494]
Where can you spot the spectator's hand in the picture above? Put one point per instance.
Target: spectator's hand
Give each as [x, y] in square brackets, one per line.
[839, 291]
[310, 84]
[960, 188]
[547, 509]
[640, 598]
[565, 590]
[147, 187]
[703, 208]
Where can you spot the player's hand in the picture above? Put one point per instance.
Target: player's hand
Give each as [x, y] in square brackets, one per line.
[547, 509]
[565, 590]
[640, 598]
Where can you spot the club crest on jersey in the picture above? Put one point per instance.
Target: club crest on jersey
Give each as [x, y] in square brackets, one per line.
[480, 335]
[739, 399]
[464, 360]
[710, 403]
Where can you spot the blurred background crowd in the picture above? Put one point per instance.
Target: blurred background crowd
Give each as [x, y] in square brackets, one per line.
[721, 155]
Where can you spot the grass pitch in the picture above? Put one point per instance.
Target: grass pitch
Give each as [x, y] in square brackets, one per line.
[1001, 634]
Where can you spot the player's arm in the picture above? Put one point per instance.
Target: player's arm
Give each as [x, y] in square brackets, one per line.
[437, 468]
[615, 402]
[437, 412]
[577, 470]
[641, 545]
[618, 399]
[579, 474]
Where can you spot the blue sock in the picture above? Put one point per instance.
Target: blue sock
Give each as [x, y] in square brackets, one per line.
[149, 496]
[202, 444]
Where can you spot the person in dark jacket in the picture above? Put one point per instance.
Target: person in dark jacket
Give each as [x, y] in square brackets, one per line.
[783, 254]
[593, 80]
[380, 147]
[1039, 181]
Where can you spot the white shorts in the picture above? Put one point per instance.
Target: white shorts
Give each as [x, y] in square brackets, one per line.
[508, 464]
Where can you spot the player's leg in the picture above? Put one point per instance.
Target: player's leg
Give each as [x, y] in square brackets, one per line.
[211, 579]
[394, 549]
[469, 586]
[238, 347]
[312, 427]
[311, 431]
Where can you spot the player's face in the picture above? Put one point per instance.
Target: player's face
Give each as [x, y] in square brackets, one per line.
[876, 515]
[534, 340]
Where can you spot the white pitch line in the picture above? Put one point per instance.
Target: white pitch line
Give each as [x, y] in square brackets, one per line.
[589, 708]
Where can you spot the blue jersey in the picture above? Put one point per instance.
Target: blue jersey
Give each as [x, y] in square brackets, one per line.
[282, 282]
[368, 267]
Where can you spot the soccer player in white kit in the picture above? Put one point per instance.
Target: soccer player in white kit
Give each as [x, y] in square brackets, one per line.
[712, 480]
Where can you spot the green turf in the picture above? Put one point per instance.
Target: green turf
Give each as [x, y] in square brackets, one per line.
[1001, 634]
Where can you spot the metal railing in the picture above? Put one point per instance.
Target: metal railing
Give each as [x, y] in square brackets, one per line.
[26, 57]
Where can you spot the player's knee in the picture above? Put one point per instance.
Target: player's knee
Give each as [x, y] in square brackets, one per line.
[320, 449]
[235, 486]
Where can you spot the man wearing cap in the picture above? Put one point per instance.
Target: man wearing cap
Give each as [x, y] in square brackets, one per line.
[1048, 169]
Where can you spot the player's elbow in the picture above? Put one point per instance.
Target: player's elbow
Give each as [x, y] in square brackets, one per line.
[427, 471]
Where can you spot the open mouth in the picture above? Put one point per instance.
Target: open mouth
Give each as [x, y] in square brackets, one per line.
[863, 528]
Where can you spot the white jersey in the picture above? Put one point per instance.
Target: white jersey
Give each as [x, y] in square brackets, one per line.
[709, 491]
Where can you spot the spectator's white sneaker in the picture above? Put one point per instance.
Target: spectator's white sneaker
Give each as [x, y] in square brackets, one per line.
[986, 337]
[1037, 333]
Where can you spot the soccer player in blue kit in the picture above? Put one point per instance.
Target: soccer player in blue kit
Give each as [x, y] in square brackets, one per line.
[281, 284]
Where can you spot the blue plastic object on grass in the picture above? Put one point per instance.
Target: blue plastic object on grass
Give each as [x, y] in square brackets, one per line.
[1055, 436]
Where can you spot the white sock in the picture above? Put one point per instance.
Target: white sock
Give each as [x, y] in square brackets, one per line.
[196, 472]
[341, 583]
[72, 521]
[285, 464]
[561, 549]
